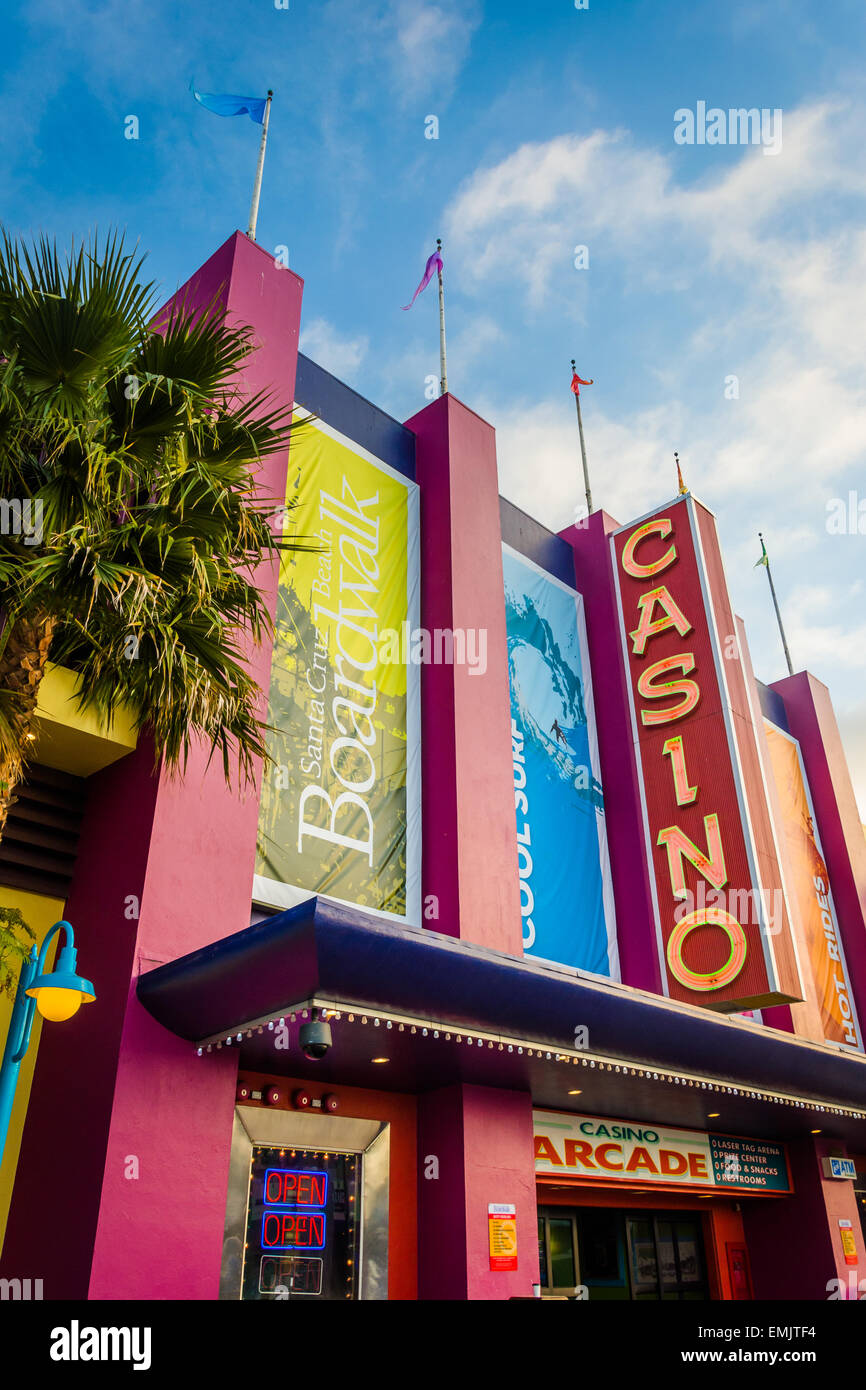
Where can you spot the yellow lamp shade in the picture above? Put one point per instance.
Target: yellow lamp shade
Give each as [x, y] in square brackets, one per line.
[57, 1005]
[60, 994]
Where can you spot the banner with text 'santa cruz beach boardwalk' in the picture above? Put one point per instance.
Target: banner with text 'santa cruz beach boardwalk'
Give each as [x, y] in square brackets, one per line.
[566, 892]
[340, 810]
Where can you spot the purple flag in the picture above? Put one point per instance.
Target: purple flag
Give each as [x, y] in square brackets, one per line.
[433, 264]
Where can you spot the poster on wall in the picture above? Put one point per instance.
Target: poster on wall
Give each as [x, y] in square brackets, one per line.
[340, 809]
[566, 892]
[810, 887]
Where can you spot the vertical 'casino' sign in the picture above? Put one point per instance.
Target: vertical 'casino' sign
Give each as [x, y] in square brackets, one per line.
[711, 915]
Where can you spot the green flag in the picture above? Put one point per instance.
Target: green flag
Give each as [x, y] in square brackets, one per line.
[765, 559]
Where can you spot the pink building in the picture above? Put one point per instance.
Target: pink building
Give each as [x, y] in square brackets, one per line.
[571, 908]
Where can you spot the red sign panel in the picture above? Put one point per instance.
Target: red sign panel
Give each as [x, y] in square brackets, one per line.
[711, 915]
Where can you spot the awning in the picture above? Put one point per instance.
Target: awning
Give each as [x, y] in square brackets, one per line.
[520, 1024]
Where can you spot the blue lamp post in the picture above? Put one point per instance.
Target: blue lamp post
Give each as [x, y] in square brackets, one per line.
[57, 995]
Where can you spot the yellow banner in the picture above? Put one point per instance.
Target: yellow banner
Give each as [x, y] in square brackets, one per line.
[340, 806]
[810, 886]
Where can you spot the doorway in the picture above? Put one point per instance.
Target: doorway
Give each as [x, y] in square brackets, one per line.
[307, 1207]
[666, 1257]
[621, 1255]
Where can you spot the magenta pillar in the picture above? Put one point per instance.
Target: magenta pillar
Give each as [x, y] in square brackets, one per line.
[469, 830]
[124, 1109]
[481, 1141]
[795, 1243]
[813, 723]
[593, 573]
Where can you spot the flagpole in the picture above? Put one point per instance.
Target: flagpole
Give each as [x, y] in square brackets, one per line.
[254, 205]
[582, 446]
[776, 606]
[443, 371]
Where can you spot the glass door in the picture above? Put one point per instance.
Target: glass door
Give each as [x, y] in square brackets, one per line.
[557, 1252]
[666, 1257]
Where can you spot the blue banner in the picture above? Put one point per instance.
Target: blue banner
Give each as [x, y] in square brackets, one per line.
[566, 894]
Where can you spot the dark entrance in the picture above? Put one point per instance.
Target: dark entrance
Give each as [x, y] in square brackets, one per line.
[622, 1255]
[303, 1217]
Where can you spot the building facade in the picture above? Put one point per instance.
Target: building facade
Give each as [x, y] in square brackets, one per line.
[534, 963]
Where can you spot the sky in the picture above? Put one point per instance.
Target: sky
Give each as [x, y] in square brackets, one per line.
[715, 292]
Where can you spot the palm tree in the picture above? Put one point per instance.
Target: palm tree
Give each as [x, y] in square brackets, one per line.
[130, 525]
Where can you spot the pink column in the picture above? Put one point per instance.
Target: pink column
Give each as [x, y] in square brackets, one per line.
[135, 1122]
[813, 723]
[469, 831]
[481, 1139]
[197, 889]
[795, 1245]
[594, 578]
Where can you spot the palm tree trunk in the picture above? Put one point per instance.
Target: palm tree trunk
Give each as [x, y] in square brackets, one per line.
[22, 666]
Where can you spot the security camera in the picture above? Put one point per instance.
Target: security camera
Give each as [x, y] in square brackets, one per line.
[315, 1037]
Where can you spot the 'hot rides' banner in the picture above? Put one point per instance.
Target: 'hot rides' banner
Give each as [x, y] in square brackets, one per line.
[566, 894]
[810, 888]
[340, 807]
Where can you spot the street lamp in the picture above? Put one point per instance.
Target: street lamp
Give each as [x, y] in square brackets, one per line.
[57, 995]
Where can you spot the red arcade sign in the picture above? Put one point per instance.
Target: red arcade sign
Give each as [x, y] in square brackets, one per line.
[720, 913]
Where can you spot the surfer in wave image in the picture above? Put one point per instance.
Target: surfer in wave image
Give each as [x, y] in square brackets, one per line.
[545, 686]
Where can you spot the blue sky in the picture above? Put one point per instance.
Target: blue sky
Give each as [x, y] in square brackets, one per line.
[706, 262]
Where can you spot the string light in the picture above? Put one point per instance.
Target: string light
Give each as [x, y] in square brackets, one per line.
[564, 1058]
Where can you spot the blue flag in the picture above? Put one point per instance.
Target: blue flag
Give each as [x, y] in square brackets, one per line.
[224, 105]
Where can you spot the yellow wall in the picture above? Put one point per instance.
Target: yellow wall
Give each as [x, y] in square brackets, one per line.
[75, 740]
[40, 913]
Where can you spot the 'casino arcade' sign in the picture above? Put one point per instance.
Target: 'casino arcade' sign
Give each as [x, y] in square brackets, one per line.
[720, 911]
[601, 1150]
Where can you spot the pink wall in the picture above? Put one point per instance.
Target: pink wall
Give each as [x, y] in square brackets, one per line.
[197, 889]
[70, 1104]
[160, 1232]
[483, 1140]
[186, 851]
[794, 1242]
[469, 832]
[594, 578]
[500, 1167]
[442, 1200]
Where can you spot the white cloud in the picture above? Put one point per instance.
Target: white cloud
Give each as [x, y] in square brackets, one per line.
[431, 44]
[852, 727]
[774, 299]
[756, 270]
[340, 355]
[631, 466]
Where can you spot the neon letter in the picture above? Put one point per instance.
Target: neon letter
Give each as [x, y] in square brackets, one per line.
[660, 527]
[674, 747]
[710, 866]
[690, 690]
[648, 627]
[711, 979]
